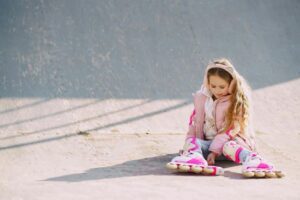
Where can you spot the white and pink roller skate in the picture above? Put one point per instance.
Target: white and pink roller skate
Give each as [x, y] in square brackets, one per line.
[192, 160]
[254, 165]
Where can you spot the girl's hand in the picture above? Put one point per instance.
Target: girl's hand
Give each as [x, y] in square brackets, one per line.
[211, 158]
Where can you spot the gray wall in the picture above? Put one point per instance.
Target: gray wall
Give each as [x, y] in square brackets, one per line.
[142, 49]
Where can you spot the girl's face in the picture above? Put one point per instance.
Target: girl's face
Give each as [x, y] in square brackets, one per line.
[218, 86]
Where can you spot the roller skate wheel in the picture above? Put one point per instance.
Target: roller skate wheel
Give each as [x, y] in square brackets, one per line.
[208, 170]
[184, 168]
[270, 174]
[197, 169]
[248, 174]
[279, 174]
[260, 174]
[171, 166]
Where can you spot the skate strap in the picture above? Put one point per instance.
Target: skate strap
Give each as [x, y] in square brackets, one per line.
[264, 166]
[196, 161]
[237, 154]
[228, 133]
[194, 143]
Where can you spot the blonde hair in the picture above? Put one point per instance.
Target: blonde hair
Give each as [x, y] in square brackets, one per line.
[238, 113]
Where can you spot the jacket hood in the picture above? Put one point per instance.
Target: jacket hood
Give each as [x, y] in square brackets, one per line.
[236, 77]
[230, 69]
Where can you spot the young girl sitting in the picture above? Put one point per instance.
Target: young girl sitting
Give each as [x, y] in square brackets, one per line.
[220, 125]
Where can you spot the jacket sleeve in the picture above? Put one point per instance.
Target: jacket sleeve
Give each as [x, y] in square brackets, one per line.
[218, 142]
[220, 139]
[198, 119]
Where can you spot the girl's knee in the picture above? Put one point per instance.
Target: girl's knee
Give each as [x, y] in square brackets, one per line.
[228, 146]
[231, 150]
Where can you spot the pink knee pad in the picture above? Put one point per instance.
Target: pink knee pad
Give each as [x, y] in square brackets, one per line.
[231, 150]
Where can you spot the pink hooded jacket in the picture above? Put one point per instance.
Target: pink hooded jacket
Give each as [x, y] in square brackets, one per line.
[208, 117]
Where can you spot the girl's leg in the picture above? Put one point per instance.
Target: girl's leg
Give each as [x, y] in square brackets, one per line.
[235, 152]
[192, 159]
[194, 147]
[205, 147]
[252, 164]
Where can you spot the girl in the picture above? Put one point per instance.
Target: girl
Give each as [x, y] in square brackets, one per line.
[220, 125]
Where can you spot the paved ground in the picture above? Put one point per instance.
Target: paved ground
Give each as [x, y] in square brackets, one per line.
[47, 157]
[131, 166]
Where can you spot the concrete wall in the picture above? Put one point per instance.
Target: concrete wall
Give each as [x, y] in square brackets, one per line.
[141, 49]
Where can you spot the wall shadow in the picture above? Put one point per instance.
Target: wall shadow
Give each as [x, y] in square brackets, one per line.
[64, 136]
[66, 124]
[111, 124]
[28, 105]
[41, 117]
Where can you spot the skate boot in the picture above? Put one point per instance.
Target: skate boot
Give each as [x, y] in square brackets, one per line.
[252, 164]
[192, 160]
[255, 166]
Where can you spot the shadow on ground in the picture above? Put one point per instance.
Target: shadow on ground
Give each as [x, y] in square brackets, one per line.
[141, 167]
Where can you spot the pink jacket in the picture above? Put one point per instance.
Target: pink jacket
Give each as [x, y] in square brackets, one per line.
[208, 117]
[197, 123]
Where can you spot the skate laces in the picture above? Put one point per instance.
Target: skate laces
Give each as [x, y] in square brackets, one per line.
[193, 154]
[256, 161]
[255, 156]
